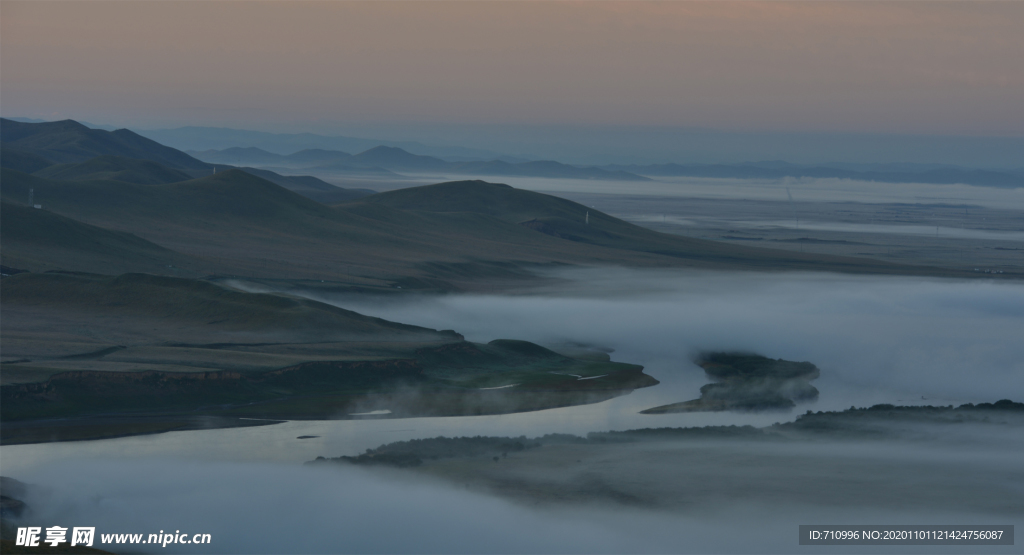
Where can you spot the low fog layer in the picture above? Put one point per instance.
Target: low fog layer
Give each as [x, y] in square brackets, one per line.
[900, 340]
[920, 230]
[260, 508]
[273, 508]
[876, 339]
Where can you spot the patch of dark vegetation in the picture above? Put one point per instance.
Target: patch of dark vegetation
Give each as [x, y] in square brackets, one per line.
[818, 241]
[8, 271]
[81, 393]
[100, 353]
[454, 378]
[664, 434]
[521, 366]
[1003, 404]
[889, 420]
[415, 452]
[109, 427]
[853, 422]
[583, 351]
[404, 454]
[748, 382]
[725, 366]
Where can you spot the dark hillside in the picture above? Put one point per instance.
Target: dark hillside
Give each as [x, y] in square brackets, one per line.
[446, 236]
[197, 302]
[22, 161]
[232, 193]
[40, 240]
[69, 141]
[116, 168]
[310, 187]
[564, 219]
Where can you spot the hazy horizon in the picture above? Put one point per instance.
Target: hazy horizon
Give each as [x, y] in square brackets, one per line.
[608, 82]
[619, 145]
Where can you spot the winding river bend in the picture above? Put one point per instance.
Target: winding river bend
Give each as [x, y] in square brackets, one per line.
[876, 340]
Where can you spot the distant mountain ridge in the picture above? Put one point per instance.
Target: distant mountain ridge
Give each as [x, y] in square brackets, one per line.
[436, 237]
[69, 151]
[237, 156]
[219, 138]
[384, 159]
[31, 147]
[390, 158]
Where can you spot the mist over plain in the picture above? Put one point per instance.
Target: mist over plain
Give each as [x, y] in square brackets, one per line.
[275, 508]
[876, 339]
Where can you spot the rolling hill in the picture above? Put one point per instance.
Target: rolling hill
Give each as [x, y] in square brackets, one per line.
[22, 161]
[384, 160]
[69, 141]
[42, 240]
[310, 187]
[458, 235]
[246, 156]
[115, 168]
[91, 356]
[69, 151]
[214, 308]
[572, 222]
[254, 223]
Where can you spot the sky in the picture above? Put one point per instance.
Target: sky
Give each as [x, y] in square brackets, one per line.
[910, 68]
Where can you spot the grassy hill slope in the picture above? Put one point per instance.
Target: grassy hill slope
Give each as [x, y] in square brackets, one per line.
[247, 226]
[88, 356]
[444, 236]
[39, 240]
[570, 221]
[22, 161]
[199, 303]
[69, 141]
[116, 168]
[310, 187]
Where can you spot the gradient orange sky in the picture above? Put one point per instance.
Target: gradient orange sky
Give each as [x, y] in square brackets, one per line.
[954, 68]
